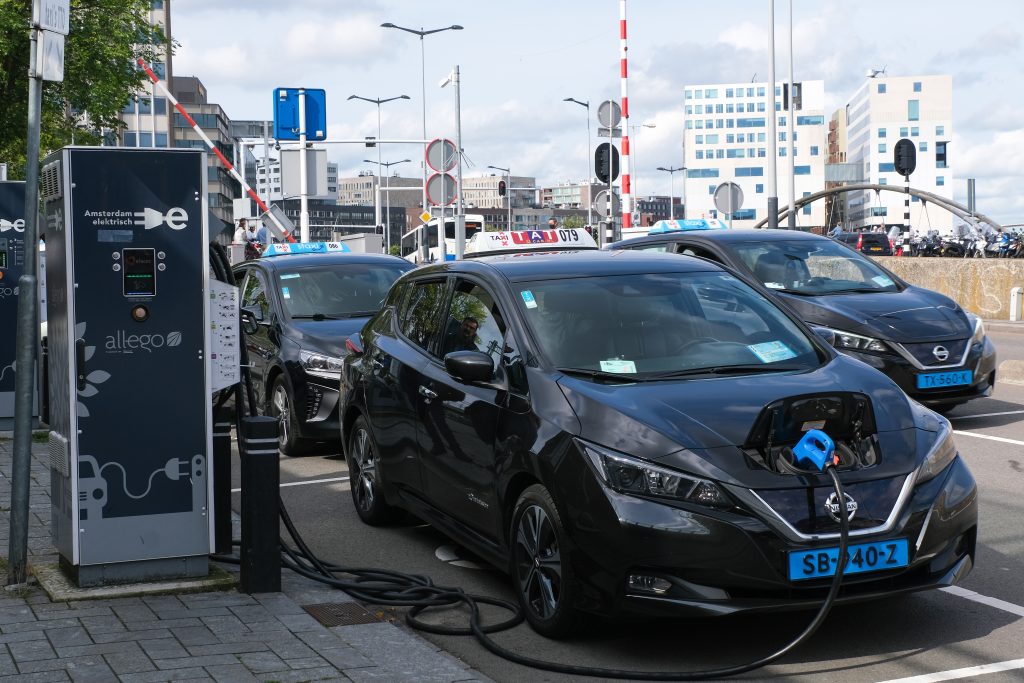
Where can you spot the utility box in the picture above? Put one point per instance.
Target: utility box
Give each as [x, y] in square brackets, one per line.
[12, 266]
[127, 298]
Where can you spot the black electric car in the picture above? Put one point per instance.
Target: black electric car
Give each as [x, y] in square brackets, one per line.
[937, 352]
[616, 430]
[297, 310]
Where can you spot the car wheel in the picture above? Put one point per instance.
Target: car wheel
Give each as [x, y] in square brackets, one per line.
[544, 579]
[283, 408]
[365, 478]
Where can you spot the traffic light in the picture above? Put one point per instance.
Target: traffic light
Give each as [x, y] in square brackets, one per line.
[501, 188]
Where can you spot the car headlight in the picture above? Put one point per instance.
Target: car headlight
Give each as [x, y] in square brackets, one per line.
[979, 328]
[320, 365]
[857, 342]
[940, 454]
[626, 474]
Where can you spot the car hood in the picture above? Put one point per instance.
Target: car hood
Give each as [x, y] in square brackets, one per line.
[326, 336]
[711, 418]
[913, 315]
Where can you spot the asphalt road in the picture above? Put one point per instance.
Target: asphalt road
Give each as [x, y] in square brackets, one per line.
[927, 634]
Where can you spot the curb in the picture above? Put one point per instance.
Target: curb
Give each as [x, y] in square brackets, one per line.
[1011, 371]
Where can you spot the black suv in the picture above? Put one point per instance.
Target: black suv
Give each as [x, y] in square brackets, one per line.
[297, 310]
[871, 243]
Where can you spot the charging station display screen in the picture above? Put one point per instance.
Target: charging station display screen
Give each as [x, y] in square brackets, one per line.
[139, 272]
[3, 253]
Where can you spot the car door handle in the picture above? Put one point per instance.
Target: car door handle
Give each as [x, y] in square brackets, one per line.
[427, 393]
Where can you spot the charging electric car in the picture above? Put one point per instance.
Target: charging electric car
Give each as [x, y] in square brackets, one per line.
[298, 306]
[937, 352]
[617, 429]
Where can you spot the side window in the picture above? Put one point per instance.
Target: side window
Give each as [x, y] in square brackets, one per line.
[650, 247]
[255, 294]
[691, 250]
[474, 322]
[420, 312]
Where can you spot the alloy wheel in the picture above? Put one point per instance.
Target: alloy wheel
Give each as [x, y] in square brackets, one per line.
[538, 562]
[283, 408]
[366, 475]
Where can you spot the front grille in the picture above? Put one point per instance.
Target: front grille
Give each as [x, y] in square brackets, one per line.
[804, 508]
[925, 353]
[314, 395]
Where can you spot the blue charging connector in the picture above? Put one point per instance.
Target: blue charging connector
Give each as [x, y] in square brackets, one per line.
[817, 447]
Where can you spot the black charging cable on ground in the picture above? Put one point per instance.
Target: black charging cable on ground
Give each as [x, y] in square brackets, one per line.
[399, 589]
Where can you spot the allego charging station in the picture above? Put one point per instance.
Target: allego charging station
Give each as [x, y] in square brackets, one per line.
[12, 265]
[128, 337]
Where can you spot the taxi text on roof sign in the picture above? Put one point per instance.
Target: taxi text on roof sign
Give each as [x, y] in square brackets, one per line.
[683, 225]
[306, 248]
[529, 240]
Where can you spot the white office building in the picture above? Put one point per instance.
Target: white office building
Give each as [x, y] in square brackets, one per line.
[147, 115]
[269, 186]
[726, 139]
[884, 110]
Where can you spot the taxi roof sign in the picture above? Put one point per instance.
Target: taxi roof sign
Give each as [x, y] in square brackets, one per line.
[687, 224]
[306, 248]
[519, 241]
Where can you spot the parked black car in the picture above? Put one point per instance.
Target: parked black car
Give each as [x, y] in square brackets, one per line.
[616, 430]
[937, 352]
[873, 243]
[297, 310]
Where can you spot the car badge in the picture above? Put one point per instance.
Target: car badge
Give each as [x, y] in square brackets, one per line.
[832, 507]
[940, 353]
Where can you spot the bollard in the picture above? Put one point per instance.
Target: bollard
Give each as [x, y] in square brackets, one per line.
[222, 482]
[1016, 303]
[261, 551]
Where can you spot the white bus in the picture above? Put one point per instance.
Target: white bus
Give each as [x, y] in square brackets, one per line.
[474, 224]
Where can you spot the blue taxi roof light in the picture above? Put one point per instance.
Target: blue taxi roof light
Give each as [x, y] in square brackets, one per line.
[283, 248]
[687, 224]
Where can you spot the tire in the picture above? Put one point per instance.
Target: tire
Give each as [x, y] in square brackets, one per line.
[365, 478]
[541, 573]
[281, 405]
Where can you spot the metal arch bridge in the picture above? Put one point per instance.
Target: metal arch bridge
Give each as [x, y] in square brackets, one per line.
[954, 208]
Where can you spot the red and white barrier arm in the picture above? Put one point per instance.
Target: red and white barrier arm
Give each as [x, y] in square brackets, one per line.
[213, 148]
[627, 189]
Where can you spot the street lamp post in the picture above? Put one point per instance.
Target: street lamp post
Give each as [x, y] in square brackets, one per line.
[378, 102]
[423, 79]
[387, 198]
[590, 203]
[508, 191]
[672, 189]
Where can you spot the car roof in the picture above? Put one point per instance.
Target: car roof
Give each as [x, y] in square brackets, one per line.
[734, 235]
[566, 264]
[290, 261]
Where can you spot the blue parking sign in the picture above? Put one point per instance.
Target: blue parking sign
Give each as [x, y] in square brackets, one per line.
[286, 114]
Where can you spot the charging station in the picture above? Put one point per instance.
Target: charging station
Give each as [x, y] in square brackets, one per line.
[12, 265]
[128, 321]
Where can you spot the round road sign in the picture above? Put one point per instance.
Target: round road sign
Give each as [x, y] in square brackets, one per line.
[601, 204]
[442, 155]
[609, 113]
[728, 198]
[441, 189]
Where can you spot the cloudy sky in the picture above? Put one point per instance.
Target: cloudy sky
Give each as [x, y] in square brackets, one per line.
[520, 60]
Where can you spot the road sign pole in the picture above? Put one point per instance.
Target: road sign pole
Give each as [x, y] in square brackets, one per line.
[303, 180]
[460, 211]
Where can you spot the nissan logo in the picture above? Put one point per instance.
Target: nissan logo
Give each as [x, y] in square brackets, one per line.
[941, 353]
[832, 507]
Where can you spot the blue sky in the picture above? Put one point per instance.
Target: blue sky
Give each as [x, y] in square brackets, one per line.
[519, 60]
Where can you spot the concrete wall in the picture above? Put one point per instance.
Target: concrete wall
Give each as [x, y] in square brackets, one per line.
[981, 286]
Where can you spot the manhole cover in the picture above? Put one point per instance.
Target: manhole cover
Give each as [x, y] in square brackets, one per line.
[340, 614]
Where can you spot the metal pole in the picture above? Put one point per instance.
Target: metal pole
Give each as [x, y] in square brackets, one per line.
[671, 196]
[460, 215]
[590, 185]
[27, 335]
[303, 179]
[422, 234]
[791, 222]
[376, 195]
[508, 197]
[773, 190]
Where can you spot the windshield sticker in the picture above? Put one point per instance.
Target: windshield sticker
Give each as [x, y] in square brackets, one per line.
[772, 352]
[528, 299]
[616, 365]
[285, 293]
[882, 281]
[289, 276]
[774, 285]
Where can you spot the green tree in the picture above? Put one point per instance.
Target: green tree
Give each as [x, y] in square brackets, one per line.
[100, 73]
[573, 222]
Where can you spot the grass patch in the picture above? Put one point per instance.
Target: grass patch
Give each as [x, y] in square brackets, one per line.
[40, 437]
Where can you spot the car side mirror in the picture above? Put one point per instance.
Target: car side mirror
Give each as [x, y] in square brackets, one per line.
[828, 335]
[469, 366]
[251, 317]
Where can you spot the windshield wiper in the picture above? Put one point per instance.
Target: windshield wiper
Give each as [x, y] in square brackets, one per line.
[749, 369]
[314, 316]
[599, 374]
[858, 290]
[359, 314]
[798, 292]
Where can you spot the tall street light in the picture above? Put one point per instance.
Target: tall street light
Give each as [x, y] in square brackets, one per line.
[423, 76]
[378, 102]
[508, 191]
[590, 207]
[671, 189]
[634, 164]
[387, 197]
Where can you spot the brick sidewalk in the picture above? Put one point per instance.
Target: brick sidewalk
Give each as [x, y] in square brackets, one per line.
[218, 636]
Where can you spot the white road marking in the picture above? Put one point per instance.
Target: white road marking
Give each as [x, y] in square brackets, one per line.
[985, 600]
[967, 672]
[990, 438]
[306, 483]
[967, 417]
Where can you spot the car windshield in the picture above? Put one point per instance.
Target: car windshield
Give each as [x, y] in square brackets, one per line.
[337, 291]
[812, 267]
[660, 325]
